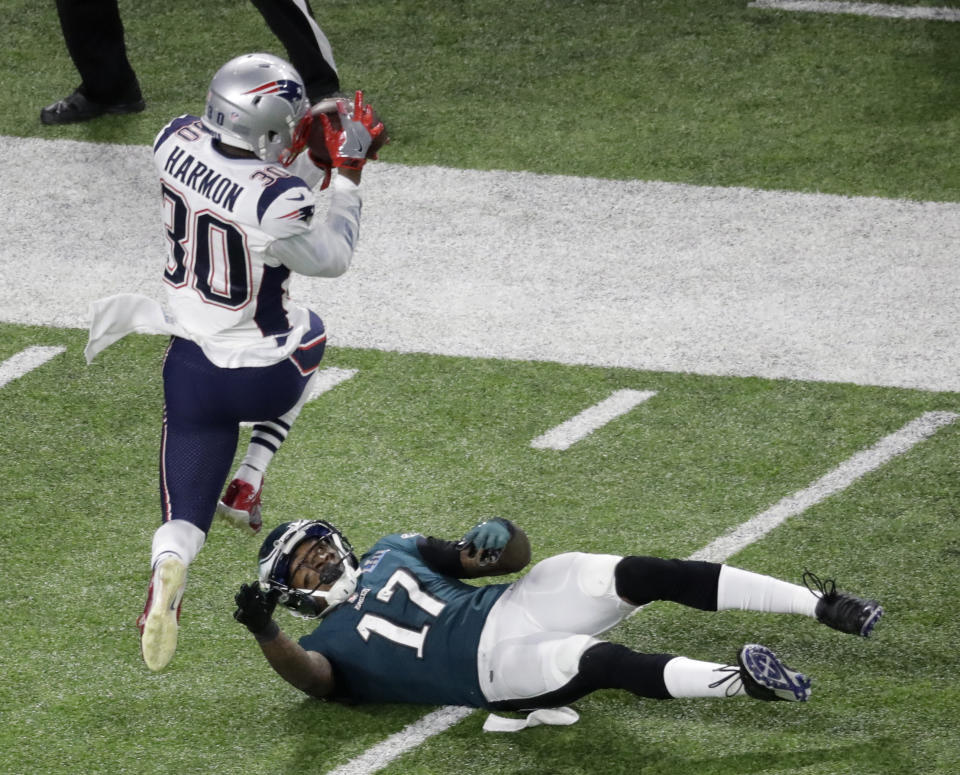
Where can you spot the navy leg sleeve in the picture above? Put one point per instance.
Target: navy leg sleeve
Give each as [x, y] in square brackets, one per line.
[203, 408]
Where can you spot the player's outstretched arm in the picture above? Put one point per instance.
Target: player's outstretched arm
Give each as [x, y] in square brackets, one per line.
[309, 671]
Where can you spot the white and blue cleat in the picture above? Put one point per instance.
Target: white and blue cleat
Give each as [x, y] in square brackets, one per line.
[765, 677]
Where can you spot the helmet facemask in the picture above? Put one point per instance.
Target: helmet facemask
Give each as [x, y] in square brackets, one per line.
[298, 143]
[339, 570]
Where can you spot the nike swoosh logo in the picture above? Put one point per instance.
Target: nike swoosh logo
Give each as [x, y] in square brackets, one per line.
[349, 152]
[298, 198]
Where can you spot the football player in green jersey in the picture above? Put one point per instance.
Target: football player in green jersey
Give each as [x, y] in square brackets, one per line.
[399, 624]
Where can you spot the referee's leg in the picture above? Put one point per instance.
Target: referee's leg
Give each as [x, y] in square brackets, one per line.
[308, 49]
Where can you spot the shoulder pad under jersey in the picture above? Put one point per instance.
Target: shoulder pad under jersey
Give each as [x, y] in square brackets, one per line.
[174, 126]
[286, 207]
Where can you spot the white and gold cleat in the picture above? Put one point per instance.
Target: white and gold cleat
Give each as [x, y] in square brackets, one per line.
[161, 616]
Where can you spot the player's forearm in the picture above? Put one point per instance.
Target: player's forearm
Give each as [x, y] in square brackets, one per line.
[308, 671]
[327, 249]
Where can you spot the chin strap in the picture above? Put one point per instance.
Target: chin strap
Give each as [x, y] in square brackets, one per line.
[342, 588]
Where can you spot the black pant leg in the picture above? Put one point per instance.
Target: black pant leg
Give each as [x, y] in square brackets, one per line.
[290, 22]
[604, 666]
[93, 33]
[688, 582]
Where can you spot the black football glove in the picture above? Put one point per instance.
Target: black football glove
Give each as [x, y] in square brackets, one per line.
[255, 607]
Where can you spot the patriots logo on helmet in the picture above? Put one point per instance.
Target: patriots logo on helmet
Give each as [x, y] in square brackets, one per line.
[291, 91]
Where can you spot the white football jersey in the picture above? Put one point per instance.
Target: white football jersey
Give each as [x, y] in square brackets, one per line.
[235, 229]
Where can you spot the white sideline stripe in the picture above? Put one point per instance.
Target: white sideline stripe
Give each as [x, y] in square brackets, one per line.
[679, 278]
[576, 428]
[841, 477]
[833, 482]
[327, 379]
[378, 757]
[881, 10]
[26, 361]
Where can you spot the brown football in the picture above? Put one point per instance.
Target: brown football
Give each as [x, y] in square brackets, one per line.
[315, 141]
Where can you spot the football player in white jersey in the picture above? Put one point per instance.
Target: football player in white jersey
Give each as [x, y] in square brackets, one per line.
[239, 216]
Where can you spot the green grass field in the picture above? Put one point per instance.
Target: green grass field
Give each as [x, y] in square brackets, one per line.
[679, 90]
[707, 93]
[397, 446]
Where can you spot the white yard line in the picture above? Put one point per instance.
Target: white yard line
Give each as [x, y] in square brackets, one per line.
[26, 361]
[328, 379]
[412, 735]
[841, 477]
[620, 273]
[836, 480]
[881, 10]
[576, 428]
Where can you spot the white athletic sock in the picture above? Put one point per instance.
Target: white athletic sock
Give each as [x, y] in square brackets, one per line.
[685, 677]
[266, 439]
[749, 591]
[178, 537]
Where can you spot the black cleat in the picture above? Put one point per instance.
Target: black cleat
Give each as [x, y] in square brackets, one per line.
[840, 610]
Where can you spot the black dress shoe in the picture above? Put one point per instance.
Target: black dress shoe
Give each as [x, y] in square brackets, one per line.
[76, 107]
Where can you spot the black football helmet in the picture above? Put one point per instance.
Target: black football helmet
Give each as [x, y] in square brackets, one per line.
[275, 557]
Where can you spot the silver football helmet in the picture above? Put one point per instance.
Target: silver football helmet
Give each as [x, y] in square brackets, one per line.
[258, 102]
[275, 569]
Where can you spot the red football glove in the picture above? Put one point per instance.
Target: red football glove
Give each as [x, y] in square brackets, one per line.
[325, 166]
[349, 145]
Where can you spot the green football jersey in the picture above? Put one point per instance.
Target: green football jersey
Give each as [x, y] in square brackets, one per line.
[408, 634]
